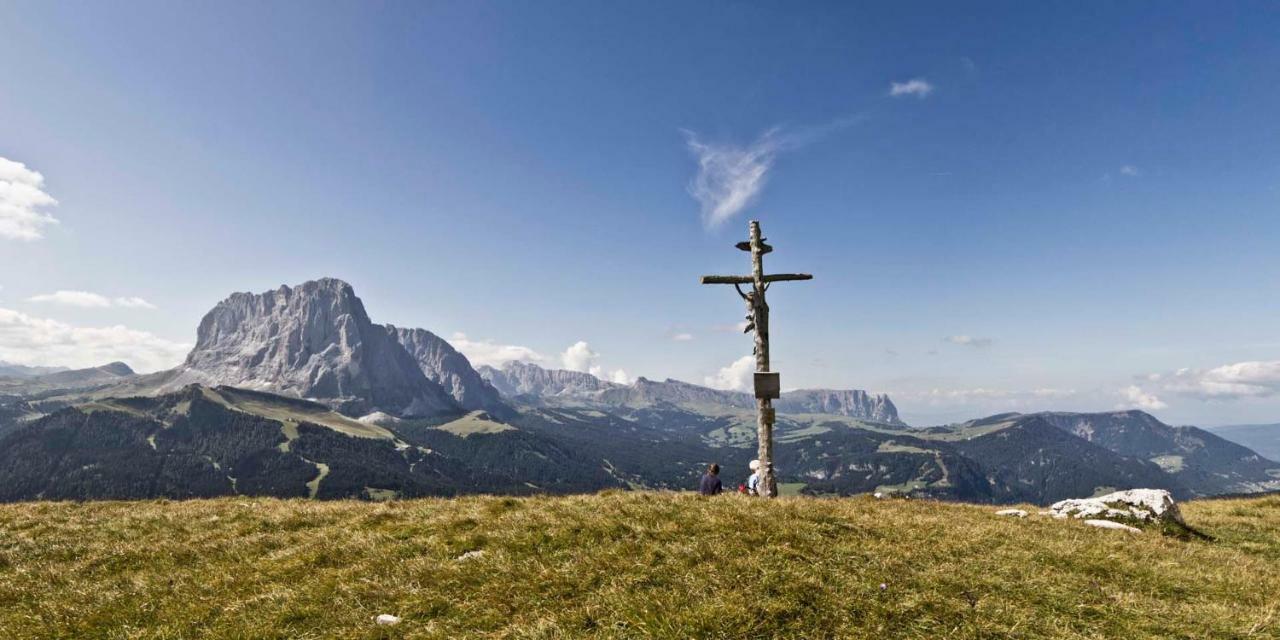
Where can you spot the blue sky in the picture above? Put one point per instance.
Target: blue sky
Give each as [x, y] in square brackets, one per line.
[1062, 206]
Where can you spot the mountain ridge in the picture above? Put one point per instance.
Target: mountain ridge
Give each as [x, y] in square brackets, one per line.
[449, 368]
[532, 382]
[314, 340]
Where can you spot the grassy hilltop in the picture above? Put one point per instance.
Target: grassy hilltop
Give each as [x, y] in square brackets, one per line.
[632, 565]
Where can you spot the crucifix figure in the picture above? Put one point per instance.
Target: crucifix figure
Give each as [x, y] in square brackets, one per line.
[767, 386]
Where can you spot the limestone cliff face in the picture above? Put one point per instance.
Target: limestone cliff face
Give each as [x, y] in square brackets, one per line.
[445, 366]
[315, 341]
[524, 379]
[530, 380]
[855, 403]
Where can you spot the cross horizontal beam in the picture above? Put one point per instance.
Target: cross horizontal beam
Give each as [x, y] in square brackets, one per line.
[776, 277]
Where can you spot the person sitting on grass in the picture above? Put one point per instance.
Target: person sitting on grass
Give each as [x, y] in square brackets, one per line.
[710, 484]
[753, 483]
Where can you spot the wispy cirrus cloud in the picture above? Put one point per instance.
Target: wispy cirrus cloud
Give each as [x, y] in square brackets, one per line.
[22, 200]
[918, 87]
[731, 176]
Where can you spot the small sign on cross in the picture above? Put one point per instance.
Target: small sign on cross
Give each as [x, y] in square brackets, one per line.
[768, 385]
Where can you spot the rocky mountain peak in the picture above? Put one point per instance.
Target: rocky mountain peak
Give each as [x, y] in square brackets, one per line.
[117, 368]
[447, 367]
[846, 402]
[526, 379]
[313, 340]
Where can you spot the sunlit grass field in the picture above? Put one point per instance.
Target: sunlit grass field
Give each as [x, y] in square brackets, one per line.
[626, 565]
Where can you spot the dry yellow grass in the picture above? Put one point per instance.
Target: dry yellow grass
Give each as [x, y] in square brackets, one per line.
[629, 565]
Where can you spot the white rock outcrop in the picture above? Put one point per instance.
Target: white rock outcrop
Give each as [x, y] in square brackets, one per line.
[1014, 513]
[1146, 505]
[386, 619]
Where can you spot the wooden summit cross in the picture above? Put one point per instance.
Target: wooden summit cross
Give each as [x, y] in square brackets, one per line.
[767, 386]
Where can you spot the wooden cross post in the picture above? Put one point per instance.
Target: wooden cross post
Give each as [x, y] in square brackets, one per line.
[766, 383]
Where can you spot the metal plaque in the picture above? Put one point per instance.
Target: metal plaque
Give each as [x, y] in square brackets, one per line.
[767, 384]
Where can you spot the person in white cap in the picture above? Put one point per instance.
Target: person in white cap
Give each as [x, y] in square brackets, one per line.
[753, 483]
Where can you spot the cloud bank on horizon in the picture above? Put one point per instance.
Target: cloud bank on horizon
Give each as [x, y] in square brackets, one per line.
[29, 340]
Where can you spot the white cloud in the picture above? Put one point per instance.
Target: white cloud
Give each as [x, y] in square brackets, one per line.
[918, 87]
[579, 357]
[73, 298]
[730, 177]
[682, 337]
[1135, 397]
[133, 302]
[1130, 170]
[487, 352]
[22, 197]
[1252, 379]
[35, 341]
[969, 341]
[90, 300]
[738, 376]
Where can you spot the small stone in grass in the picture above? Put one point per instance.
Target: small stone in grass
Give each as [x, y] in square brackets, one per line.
[471, 554]
[387, 619]
[1017, 513]
[883, 586]
[1107, 524]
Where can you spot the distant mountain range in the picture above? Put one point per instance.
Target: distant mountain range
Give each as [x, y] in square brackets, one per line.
[531, 383]
[62, 378]
[297, 392]
[11, 370]
[1263, 438]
